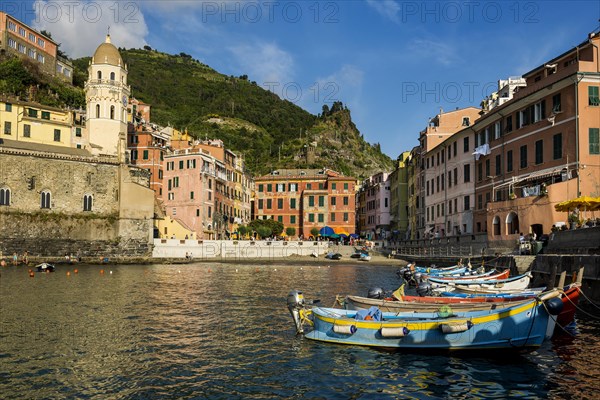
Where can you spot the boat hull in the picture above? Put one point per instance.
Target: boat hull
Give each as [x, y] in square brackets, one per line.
[520, 327]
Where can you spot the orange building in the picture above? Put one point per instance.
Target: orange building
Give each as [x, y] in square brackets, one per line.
[540, 148]
[147, 146]
[307, 199]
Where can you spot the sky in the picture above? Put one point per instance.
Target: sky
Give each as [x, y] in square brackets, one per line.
[395, 64]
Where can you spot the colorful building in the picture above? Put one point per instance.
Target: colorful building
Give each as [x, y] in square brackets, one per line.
[375, 210]
[305, 199]
[540, 148]
[399, 190]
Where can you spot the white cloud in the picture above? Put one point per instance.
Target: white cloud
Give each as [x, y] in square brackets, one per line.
[265, 62]
[81, 26]
[388, 8]
[442, 53]
[344, 85]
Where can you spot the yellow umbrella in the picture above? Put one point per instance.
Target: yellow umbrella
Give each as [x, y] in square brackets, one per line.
[586, 202]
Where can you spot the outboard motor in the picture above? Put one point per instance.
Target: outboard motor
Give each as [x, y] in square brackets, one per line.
[295, 303]
[424, 289]
[376, 293]
[418, 277]
[402, 272]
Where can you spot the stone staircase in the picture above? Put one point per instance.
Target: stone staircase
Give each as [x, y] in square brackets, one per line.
[524, 263]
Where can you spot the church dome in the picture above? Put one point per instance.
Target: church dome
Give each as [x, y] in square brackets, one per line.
[107, 53]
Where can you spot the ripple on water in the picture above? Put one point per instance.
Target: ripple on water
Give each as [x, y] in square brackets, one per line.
[223, 331]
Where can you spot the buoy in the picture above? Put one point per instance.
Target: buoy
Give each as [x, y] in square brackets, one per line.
[236, 270]
[209, 270]
[178, 271]
[76, 271]
[111, 272]
[101, 272]
[30, 271]
[31, 274]
[256, 270]
[68, 273]
[275, 269]
[3, 263]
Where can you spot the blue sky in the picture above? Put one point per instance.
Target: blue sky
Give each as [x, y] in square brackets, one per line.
[393, 63]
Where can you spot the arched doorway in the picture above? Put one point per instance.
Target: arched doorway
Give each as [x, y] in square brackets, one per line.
[512, 223]
[496, 225]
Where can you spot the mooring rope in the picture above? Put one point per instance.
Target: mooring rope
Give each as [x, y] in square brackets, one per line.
[579, 309]
[588, 299]
[555, 319]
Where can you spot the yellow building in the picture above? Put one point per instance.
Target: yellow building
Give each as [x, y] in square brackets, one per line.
[34, 123]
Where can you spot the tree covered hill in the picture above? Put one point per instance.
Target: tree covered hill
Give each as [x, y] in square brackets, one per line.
[184, 93]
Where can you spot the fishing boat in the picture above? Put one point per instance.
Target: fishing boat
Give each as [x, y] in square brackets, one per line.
[333, 256]
[521, 327]
[517, 283]
[489, 275]
[364, 257]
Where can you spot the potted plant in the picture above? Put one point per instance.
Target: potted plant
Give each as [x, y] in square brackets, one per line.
[573, 220]
[512, 196]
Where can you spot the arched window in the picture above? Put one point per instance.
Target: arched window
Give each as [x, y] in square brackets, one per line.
[99, 75]
[97, 110]
[112, 112]
[5, 197]
[46, 197]
[496, 223]
[87, 202]
[512, 223]
[112, 76]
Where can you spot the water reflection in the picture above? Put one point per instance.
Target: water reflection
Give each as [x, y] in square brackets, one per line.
[222, 331]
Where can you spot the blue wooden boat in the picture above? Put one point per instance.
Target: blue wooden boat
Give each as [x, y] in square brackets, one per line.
[520, 327]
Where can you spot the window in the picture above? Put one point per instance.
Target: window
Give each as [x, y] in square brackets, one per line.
[280, 204]
[321, 201]
[22, 49]
[99, 75]
[497, 130]
[539, 111]
[467, 203]
[26, 130]
[41, 58]
[280, 218]
[455, 176]
[480, 202]
[346, 186]
[261, 187]
[8, 107]
[467, 172]
[594, 137]
[292, 219]
[21, 31]
[145, 156]
[41, 42]
[345, 217]
[479, 171]
[449, 179]
[557, 146]
[427, 186]
[46, 115]
[31, 37]
[539, 152]
[12, 43]
[308, 186]
[180, 164]
[593, 96]
[498, 165]
[78, 132]
[346, 200]
[112, 112]
[112, 76]
[311, 201]
[281, 187]
[311, 217]
[134, 155]
[466, 121]
[508, 127]
[466, 145]
[269, 187]
[7, 127]
[260, 204]
[509, 161]
[269, 204]
[455, 148]
[320, 218]
[97, 110]
[57, 135]
[87, 202]
[321, 186]
[191, 195]
[46, 197]
[5, 197]
[293, 187]
[31, 53]
[160, 174]
[556, 106]
[333, 186]
[12, 26]
[523, 151]
[333, 201]
[293, 204]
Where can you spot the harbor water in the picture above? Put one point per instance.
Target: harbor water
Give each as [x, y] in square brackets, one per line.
[222, 331]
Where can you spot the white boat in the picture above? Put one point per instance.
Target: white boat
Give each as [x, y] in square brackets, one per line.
[517, 283]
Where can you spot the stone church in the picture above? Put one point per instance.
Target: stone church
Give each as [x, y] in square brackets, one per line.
[74, 199]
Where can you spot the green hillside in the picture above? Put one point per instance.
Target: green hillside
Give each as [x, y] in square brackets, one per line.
[187, 94]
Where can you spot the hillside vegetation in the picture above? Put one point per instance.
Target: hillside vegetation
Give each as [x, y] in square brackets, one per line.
[184, 93]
